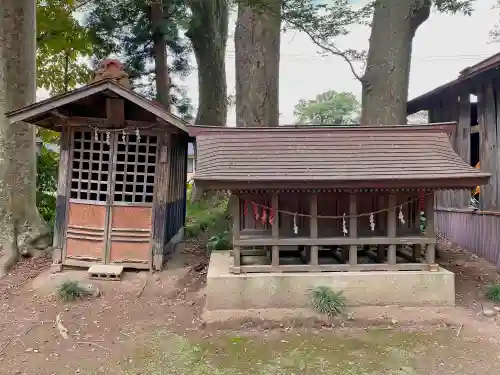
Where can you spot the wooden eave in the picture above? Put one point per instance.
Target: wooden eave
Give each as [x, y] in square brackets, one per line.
[45, 113]
[466, 79]
[450, 183]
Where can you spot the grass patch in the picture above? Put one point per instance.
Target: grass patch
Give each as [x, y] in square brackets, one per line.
[70, 291]
[493, 292]
[327, 301]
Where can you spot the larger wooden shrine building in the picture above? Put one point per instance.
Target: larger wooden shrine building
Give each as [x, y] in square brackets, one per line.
[473, 101]
[332, 198]
[122, 173]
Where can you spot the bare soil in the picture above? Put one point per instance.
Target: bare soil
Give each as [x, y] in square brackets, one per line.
[150, 324]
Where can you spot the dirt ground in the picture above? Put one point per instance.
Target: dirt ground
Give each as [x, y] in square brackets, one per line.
[150, 324]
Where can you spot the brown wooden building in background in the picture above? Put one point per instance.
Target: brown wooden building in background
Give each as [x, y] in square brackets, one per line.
[476, 140]
[122, 174]
[339, 198]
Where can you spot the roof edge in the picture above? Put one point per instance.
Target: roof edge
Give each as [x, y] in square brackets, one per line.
[22, 114]
[438, 127]
[455, 182]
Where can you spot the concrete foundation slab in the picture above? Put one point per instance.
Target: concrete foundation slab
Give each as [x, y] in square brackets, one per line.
[291, 290]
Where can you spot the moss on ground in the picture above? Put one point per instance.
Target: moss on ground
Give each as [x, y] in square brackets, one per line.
[367, 353]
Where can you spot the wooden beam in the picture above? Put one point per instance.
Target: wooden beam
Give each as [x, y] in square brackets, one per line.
[314, 228]
[463, 144]
[331, 241]
[275, 230]
[391, 228]
[333, 268]
[115, 111]
[236, 233]
[488, 139]
[353, 228]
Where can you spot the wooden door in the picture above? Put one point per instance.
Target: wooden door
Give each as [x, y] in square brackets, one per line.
[89, 174]
[110, 205]
[131, 203]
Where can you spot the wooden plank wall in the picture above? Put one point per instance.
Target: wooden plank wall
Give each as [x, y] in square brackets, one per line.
[477, 232]
[176, 196]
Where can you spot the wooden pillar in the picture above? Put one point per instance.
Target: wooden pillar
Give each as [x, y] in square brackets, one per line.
[314, 229]
[160, 203]
[430, 230]
[381, 223]
[236, 234]
[417, 248]
[353, 228]
[488, 146]
[463, 143]
[63, 191]
[275, 255]
[391, 227]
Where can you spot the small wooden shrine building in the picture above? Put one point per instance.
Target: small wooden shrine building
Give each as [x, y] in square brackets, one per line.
[339, 198]
[122, 173]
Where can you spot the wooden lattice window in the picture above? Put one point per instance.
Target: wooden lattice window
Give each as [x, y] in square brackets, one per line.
[135, 169]
[90, 172]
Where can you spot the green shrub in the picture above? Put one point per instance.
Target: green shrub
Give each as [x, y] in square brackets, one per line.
[493, 292]
[327, 301]
[70, 291]
[207, 216]
[46, 185]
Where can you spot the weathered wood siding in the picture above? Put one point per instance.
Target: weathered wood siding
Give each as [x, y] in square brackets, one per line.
[176, 196]
[479, 232]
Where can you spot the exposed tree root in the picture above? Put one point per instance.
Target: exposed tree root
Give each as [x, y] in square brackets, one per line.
[27, 239]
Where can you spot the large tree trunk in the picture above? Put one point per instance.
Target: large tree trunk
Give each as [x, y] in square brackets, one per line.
[257, 49]
[208, 34]
[385, 82]
[20, 224]
[162, 77]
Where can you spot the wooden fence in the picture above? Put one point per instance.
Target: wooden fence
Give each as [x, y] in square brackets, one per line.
[477, 231]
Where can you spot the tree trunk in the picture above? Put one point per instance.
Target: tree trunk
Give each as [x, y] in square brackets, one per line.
[162, 78]
[385, 82]
[21, 227]
[257, 49]
[208, 34]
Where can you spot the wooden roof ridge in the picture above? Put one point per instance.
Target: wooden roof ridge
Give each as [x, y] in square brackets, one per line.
[446, 127]
[107, 84]
[370, 156]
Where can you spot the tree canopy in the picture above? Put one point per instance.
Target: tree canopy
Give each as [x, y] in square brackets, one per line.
[62, 43]
[328, 108]
[125, 29]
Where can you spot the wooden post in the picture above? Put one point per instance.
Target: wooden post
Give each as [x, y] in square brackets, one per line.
[391, 227]
[314, 228]
[430, 231]
[381, 223]
[487, 145]
[160, 204]
[353, 228]
[275, 255]
[463, 143]
[63, 190]
[417, 248]
[236, 234]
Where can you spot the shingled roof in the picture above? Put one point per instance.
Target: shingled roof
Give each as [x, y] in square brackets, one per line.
[328, 157]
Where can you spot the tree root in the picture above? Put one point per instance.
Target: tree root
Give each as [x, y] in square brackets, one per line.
[27, 239]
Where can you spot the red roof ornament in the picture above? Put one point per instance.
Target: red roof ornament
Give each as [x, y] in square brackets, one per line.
[111, 69]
